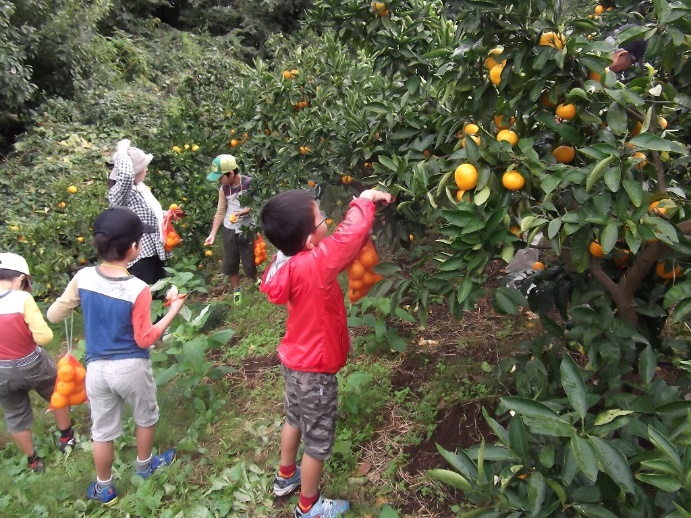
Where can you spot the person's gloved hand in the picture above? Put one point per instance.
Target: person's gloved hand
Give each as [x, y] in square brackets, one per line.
[123, 146]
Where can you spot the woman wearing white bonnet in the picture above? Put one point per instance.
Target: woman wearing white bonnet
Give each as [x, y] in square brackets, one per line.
[127, 189]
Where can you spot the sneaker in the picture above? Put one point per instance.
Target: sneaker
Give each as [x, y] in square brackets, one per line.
[37, 465]
[324, 508]
[66, 442]
[107, 496]
[237, 297]
[164, 459]
[285, 486]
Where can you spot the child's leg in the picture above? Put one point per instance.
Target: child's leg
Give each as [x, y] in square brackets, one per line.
[145, 442]
[311, 476]
[24, 442]
[290, 442]
[103, 459]
[62, 418]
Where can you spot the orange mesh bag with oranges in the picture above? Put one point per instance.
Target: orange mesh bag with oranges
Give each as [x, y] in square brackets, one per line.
[70, 384]
[259, 250]
[172, 238]
[361, 276]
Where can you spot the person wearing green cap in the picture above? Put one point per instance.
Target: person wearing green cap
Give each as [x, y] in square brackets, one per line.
[237, 245]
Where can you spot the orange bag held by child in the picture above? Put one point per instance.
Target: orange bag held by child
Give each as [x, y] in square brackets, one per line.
[259, 250]
[172, 238]
[361, 277]
[70, 385]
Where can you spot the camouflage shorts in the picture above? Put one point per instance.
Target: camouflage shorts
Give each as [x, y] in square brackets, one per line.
[311, 401]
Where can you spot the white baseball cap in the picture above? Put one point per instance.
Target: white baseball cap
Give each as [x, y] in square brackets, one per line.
[15, 262]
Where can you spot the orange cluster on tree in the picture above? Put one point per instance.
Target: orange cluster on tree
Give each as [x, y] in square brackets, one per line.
[70, 387]
[259, 250]
[361, 277]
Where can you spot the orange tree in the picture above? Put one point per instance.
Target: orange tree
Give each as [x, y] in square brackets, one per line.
[569, 149]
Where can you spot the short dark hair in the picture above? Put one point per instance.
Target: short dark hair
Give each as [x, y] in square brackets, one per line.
[10, 275]
[288, 219]
[109, 252]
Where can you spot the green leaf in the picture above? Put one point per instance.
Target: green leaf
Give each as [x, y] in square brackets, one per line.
[519, 441]
[536, 492]
[553, 228]
[613, 178]
[388, 512]
[580, 241]
[451, 478]
[593, 511]
[662, 443]
[634, 190]
[574, 386]
[585, 456]
[387, 269]
[166, 375]
[610, 415]
[617, 118]
[665, 482]
[597, 171]
[608, 237]
[646, 364]
[655, 143]
[460, 462]
[530, 408]
[508, 300]
[614, 463]
[388, 163]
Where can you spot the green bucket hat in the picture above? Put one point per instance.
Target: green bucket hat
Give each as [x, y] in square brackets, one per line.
[222, 164]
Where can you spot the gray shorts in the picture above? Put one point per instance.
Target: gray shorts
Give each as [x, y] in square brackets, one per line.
[15, 385]
[235, 249]
[110, 384]
[311, 402]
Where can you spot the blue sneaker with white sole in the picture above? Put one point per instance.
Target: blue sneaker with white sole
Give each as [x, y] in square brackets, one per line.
[164, 459]
[324, 508]
[107, 496]
[285, 486]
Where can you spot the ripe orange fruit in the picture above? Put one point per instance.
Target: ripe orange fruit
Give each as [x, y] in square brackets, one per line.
[79, 374]
[595, 76]
[58, 401]
[471, 129]
[552, 39]
[427, 153]
[596, 250]
[538, 265]
[66, 372]
[662, 271]
[637, 128]
[354, 295]
[498, 122]
[287, 75]
[495, 74]
[516, 231]
[346, 179]
[463, 196]
[62, 205]
[329, 222]
[62, 361]
[78, 398]
[662, 122]
[564, 154]
[368, 257]
[475, 138]
[208, 253]
[311, 183]
[72, 189]
[234, 143]
[64, 388]
[653, 207]
[356, 284]
[513, 180]
[466, 177]
[233, 218]
[174, 206]
[599, 10]
[621, 258]
[368, 278]
[566, 111]
[490, 63]
[509, 136]
[640, 156]
[545, 101]
[356, 270]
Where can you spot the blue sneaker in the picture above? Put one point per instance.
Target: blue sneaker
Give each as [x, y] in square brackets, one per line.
[107, 496]
[164, 459]
[285, 486]
[324, 508]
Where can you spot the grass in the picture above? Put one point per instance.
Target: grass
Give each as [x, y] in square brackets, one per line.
[227, 430]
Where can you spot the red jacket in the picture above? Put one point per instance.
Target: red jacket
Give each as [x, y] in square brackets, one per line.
[316, 338]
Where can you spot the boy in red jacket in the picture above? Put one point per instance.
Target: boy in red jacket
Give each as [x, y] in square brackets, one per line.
[303, 275]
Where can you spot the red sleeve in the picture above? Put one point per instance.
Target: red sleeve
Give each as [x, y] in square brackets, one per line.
[145, 333]
[342, 247]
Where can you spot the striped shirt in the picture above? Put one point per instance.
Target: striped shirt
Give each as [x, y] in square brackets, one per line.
[22, 325]
[117, 314]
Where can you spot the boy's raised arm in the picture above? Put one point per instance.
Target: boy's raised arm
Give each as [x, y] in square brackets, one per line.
[69, 300]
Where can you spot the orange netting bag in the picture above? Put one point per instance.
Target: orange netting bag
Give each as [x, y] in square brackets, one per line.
[259, 250]
[361, 276]
[70, 385]
[172, 238]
